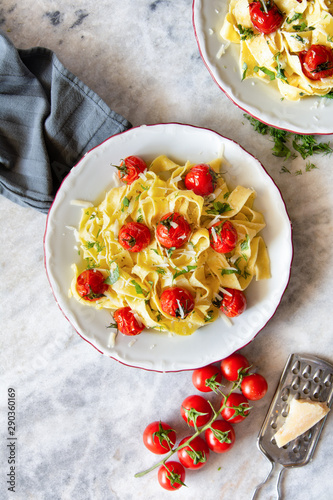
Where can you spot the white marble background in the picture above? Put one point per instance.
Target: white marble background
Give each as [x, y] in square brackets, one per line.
[80, 416]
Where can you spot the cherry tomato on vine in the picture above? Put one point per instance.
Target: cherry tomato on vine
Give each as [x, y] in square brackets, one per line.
[195, 454]
[317, 62]
[171, 476]
[223, 236]
[265, 22]
[130, 168]
[201, 179]
[159, 437]
[196, 411]
[177, 302]
[173, 230]
[254, 386]
[207, 379]
[127, 322]
[233, 303]
[235, 415]
[90, 285]
[220, 437]
[134, 236]
[234, 365]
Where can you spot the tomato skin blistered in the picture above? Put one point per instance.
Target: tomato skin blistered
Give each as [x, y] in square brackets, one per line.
[90, 285]
[134, 236]
[173, 230]
[130, 168]
[233, 303]
[225, 238]
[265, 22]
[317, 62]
[126, 321]
[177, 302]
[201, 179]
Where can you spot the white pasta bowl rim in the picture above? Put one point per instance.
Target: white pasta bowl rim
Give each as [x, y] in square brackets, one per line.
[150, 350]
[309, 116]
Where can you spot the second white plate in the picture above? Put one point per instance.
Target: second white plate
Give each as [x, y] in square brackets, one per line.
[312, 115]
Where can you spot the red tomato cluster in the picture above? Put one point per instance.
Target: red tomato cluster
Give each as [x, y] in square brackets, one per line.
[218, 434]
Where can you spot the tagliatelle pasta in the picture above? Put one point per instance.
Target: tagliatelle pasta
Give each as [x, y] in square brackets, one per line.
[275, 58]
[137, 279]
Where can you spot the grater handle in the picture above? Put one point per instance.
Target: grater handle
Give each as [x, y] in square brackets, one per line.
[270, 488]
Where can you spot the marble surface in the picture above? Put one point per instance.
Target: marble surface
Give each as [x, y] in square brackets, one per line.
[80, 415]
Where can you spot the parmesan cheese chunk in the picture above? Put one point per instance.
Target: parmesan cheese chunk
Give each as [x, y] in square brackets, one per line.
[303, 414]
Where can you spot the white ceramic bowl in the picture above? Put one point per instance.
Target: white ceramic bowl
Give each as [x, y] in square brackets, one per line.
[311, 115]
[92, 177]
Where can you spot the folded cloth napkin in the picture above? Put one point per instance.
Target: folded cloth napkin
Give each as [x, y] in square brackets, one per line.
[48, 120]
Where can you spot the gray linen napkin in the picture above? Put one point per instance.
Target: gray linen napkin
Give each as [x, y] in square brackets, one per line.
[48, 120]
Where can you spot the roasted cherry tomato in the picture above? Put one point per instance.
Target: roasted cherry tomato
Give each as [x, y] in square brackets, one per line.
[223, 236]
[233, 302]
[207, 379]
[254, 386]
[90, 285]
[127, 322]
[171, 475]
[220, 436]
[265, 22]
[239, 411]
[195, 454]
[159, 437]
[134, 236]
[177, 302]
[201, 179]
[173, 230]
[317, 62]
[130, 168]
[233, 366]
[196, 411]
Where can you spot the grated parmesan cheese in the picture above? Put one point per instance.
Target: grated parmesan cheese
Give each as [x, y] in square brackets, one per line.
[112, 339]
[82, 203]
[214, 234]
[181, 310]
[177, 179]
[116, 228]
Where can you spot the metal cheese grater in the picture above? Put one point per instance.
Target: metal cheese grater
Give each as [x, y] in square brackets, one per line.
[303, 377]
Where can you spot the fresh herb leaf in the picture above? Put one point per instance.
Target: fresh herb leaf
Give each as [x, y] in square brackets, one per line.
[245, 244]
[279, 71]
[113, 276]
[160, 270]
[219, 208]
[186, 269]
[210, 316]
[296, 16]
[244, 67]
[245, 33]
[138, 288]
[126, 203]
[310, 166]
[265, 70]
[258, 126]
[307, 145]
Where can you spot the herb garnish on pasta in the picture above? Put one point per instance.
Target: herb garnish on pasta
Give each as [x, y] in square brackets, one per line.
[166, 258]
